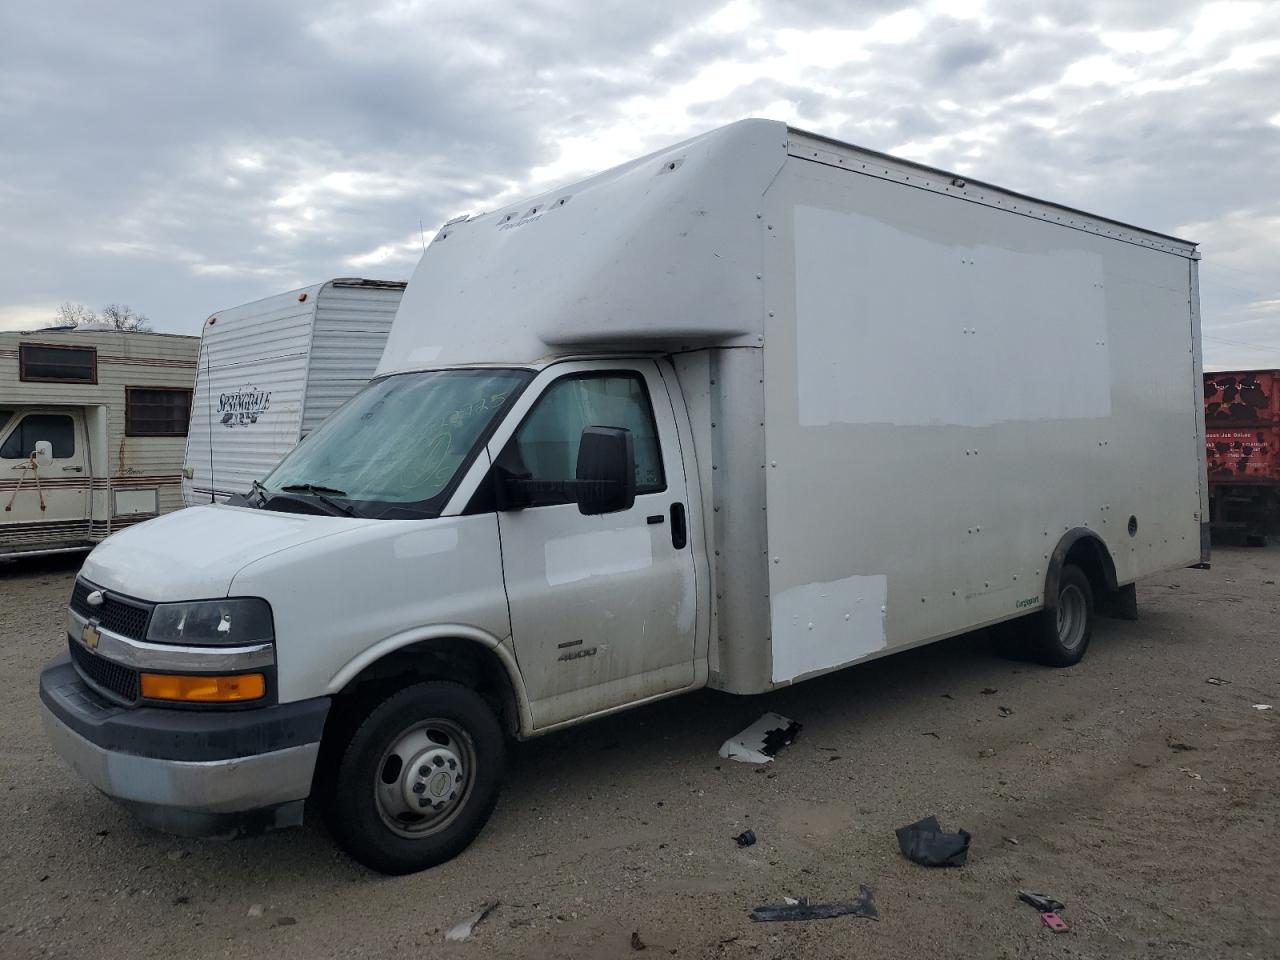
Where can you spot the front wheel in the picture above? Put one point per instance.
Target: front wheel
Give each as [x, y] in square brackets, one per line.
[418, 778]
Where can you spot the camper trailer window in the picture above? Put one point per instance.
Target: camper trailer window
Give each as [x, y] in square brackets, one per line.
[50, 363]
[57, 428]
[151, 412]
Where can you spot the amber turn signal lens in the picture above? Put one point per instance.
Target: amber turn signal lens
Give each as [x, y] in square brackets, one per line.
[203, 689]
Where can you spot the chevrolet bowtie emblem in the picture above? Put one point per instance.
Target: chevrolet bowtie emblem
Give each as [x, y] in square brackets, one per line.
[90, 636]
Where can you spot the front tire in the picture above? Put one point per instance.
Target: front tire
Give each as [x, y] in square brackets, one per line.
[418, 779]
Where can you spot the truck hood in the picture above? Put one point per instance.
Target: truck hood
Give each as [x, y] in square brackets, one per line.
[194, 554]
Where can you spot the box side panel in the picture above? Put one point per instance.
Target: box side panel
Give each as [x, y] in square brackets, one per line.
[351, 327]
[740, 639]
[250, 383]
[949, 388]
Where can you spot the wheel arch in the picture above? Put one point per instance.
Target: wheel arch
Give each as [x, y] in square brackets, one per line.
[454, 652]
[1083, 548]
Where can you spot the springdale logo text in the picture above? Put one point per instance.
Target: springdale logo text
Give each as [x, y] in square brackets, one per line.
[243, 407]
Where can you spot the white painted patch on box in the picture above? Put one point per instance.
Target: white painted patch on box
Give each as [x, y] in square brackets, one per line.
[136, 502]
[424, 543]
[894, 327]
[823, 625]
[598, 554]
[424, 354]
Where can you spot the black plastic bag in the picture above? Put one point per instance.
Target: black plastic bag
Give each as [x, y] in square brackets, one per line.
[925, 843]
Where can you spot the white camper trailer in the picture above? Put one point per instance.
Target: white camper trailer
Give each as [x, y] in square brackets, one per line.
[92, 428]
[736, 414]
[272, 369]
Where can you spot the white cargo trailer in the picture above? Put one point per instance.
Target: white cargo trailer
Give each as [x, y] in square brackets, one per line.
[271, 370]
[92, 428]
[744, 411]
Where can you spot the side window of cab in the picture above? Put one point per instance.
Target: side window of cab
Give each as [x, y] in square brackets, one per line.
[545, 446]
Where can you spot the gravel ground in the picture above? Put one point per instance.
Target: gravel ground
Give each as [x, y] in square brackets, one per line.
[1143, 797]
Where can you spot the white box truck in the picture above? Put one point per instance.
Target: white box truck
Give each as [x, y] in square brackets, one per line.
[270, 371]
[92, 427]
[736, 414]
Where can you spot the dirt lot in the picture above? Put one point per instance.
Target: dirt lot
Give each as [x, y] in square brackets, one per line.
[1143, 797]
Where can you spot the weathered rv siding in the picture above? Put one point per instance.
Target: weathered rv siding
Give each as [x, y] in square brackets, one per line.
[272, 370]
[118, 463]
[260, 348]
[351, 325]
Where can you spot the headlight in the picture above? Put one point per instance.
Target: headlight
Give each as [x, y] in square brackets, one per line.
[223, 622]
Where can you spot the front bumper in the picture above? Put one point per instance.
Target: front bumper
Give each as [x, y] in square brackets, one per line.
[193, 772]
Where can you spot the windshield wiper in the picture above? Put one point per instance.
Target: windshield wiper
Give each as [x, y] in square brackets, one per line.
[261, 491]
[318, 491]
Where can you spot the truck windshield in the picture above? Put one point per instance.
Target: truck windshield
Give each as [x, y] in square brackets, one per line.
[396, 448]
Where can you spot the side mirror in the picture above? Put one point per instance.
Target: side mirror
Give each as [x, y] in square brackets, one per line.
[606, 472]
[43, 454]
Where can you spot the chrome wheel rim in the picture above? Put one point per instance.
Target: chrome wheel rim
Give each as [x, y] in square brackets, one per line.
[1073, 616]
[424, 778]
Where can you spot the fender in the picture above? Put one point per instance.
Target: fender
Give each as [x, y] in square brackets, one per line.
[442, 631]
[1071, 539]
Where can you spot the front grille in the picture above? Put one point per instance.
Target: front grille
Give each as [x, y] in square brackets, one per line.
[105, 674]
[129, 618]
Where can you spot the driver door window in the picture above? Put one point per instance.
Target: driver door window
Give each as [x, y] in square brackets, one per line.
[546, 444]
[57, 428]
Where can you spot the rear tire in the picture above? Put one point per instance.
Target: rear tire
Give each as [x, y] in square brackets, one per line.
[418, 779]
[1057, 637]
[1060, 637]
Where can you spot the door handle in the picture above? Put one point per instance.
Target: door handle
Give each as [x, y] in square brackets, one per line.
[76, 469]
[679, 529]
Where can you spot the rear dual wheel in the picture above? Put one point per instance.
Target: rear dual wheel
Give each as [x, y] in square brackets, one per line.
[418, 779]
[1057, 636]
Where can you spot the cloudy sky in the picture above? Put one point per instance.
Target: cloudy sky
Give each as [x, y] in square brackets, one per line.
[183, 158]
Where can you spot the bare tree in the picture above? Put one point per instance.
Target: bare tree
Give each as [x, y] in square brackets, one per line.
[121, 316]
[71, 314]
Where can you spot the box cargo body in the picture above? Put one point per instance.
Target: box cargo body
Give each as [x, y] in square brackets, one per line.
[271, 370]
[115, 406]
[1242, 448]
[918, 383]
[741, 412]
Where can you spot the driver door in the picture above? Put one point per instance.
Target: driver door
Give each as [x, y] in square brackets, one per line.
[602, 607]
[51, 492]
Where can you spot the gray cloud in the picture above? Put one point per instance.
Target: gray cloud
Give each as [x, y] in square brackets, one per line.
[186, 157]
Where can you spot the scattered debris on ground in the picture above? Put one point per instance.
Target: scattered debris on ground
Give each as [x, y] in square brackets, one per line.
[924, 842]
[863, 905]
[1179, 746]
[760, 741]
[988, 691]
[1262, 706]
[256, 910]
[1189, 773]
[1217, 681]
[636, 942]
[463, 928]
[1041, 901]
[1054, 922]
[1005, 711]
[746, 838]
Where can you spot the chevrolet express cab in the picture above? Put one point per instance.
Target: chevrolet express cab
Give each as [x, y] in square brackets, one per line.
[736, 414]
